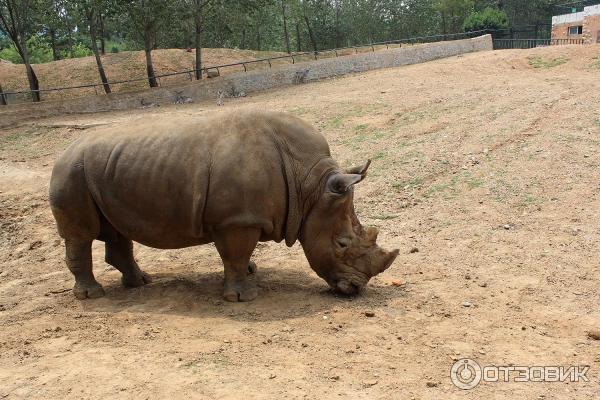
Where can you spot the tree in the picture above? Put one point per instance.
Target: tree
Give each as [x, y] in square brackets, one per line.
[91, 10]
[285, 30]
[453, 13]
[16, 21]
[147, 18]
[490, 18]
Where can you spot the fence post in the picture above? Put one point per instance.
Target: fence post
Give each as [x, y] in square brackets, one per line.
[2, 97]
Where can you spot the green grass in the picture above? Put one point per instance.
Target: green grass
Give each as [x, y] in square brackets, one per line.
[539, 62]
[335, 122]
[411, 183]
[384, 217]
[595, 63]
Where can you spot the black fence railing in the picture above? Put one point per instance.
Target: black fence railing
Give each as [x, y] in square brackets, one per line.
[503, 44]
[292, 58]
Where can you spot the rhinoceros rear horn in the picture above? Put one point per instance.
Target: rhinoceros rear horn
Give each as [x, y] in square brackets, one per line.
[360, 170]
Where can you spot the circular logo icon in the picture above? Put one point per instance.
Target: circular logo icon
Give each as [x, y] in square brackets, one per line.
[465, 374]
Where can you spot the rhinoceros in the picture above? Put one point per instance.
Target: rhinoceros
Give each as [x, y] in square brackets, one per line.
[232, 179]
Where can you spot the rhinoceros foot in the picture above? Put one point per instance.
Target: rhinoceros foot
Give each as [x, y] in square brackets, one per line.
[135, 280]
[88, 290]
[245, 290]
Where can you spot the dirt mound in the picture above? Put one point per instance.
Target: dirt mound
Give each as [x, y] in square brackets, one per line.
[118, 67]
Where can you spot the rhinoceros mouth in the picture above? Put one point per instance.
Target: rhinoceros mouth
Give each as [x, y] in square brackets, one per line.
[348, 288]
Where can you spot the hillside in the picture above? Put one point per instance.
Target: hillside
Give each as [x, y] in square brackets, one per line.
[120, 66]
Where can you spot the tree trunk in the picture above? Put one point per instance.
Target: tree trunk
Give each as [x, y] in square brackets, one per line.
[444, 27]
[298, 42]
[105, 84]
[102, 34]
[198, 39]
[34, 85]
[2, 97]
[338, 34]
[55, 55]
[243, 41]
[310, 34]
[148, 50]
[258, 37]
[285, 30]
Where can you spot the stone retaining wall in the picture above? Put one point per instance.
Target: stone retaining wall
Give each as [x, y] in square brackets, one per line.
[247, 82]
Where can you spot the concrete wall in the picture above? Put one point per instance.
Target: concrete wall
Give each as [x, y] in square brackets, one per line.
[253, 81]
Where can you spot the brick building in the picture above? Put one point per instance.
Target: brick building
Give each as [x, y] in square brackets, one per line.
[584, 25]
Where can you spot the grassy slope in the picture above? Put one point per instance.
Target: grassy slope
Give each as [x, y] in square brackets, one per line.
[119, 66]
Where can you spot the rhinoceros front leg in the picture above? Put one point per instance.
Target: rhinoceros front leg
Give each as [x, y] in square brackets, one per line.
[235, 246]
[79, 261]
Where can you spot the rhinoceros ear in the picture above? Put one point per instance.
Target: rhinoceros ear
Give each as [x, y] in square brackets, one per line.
[360, 170]
[341, 183]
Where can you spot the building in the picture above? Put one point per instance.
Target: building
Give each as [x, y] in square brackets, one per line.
[583, 24]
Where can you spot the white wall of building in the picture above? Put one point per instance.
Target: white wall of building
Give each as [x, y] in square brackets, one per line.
[576, 17]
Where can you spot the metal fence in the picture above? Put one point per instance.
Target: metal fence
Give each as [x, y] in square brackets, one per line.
[502, 44]
[12, 96]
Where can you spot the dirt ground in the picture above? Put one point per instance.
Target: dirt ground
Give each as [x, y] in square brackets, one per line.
[485, 174]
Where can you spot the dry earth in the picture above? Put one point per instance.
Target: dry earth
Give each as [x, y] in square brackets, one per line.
[487, 164]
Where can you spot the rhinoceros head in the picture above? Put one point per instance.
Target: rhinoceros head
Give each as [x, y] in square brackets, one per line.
[338, 248]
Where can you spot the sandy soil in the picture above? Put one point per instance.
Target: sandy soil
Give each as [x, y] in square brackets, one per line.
[485, 164]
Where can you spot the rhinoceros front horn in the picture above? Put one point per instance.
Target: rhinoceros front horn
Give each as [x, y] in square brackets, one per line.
[389, 259]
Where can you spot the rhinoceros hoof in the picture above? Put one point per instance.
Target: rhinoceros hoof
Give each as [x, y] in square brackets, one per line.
[88, 291]
[240, 291]
[252, 267]
[136, 280]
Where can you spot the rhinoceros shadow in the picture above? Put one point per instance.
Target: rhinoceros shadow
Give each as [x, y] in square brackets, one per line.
[283, 294]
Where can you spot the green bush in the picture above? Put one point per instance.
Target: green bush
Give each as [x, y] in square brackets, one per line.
[39, 52]
[114, 49]
[80, 50]
[11, 54]
[490, 18]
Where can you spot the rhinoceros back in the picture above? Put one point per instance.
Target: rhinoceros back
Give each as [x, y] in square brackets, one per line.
[172, 183]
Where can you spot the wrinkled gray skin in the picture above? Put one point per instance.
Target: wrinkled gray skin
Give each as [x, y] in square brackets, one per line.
[232, 179]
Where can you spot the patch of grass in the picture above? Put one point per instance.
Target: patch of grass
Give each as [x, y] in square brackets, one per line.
[378, 156]
[595, 63]
[539, 62]
[472, 182]
[335, 122]
[384, 217]
[410, 183]
[528, 199]
[298, 110]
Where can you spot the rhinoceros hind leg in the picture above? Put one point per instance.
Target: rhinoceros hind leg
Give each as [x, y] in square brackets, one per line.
[235, 246]
[119, 253]
[79, 261]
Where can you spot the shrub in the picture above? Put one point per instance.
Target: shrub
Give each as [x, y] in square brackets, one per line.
[490, 18]
[80, 50]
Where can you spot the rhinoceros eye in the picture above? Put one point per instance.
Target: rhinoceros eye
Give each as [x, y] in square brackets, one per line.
[343, 242]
